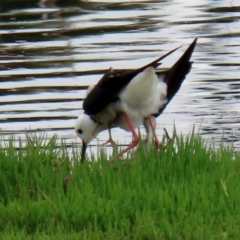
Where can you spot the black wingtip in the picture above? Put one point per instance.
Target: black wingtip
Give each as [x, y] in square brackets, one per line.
[156, 63]
[191, 47]
[177, 73]
[185, 58]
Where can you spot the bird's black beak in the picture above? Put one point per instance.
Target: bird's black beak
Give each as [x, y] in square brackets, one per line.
[84, 149]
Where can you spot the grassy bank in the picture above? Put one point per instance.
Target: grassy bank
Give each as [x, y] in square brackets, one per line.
[183, 192]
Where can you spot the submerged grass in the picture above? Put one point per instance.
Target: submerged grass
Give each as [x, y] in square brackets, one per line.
[184, 191]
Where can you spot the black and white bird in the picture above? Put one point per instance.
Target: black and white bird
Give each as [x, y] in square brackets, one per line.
[130, 98]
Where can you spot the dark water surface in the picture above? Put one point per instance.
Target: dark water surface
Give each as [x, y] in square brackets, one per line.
[50, 51]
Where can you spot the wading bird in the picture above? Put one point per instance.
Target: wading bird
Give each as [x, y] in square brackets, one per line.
[130, 98]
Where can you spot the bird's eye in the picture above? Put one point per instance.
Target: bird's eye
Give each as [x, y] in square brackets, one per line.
[80, 131]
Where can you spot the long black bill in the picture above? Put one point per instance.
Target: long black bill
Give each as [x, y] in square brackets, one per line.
[84, 149]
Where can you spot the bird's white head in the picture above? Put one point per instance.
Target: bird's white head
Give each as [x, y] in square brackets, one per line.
[86, 128]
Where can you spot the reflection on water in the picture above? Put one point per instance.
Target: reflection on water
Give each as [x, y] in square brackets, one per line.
[50, 51]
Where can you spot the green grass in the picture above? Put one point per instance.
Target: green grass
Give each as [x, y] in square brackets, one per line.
[185, 191]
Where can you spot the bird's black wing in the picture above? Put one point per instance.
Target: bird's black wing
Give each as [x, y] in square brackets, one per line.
[112, 82]
[175, 76]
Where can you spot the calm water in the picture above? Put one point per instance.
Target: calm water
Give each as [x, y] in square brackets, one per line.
[50, 51]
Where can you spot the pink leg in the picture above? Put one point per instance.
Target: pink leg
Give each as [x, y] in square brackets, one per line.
[135, 136]
[110, 140]
[156, 141]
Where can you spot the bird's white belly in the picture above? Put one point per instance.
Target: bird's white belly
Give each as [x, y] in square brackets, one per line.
[141, 94]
